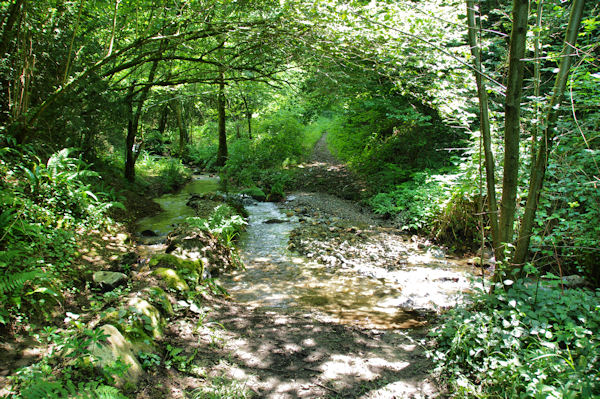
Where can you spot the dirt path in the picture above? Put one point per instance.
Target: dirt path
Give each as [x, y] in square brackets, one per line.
[271, 352]
[324, 173]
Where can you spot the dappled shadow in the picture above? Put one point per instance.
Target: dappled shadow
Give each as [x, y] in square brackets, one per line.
[290, 354]
[326, 174]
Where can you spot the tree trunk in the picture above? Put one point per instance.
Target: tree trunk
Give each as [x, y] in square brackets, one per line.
[133, 148]
[162, 122]
[485, 131]
[12, 25]
[130, 139]
[249, 118]
[183, 134]
[512, 111]
[222, 150]
[539, 171]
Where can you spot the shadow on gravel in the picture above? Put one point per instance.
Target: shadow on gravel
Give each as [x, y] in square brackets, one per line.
[291, 355]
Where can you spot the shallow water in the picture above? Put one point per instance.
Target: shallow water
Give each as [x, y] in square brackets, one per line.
[174, 208]
[275, 277]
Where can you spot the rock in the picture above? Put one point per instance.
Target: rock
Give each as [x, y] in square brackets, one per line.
[108, 280]
[117, 347]
[191, 270]
[574, 281]
[275, 196]
[436, 253]
[255, 192]
[194, 244]
[171, 279]
[158, 297]
[274, 221]
[148, 233]
[152, 322]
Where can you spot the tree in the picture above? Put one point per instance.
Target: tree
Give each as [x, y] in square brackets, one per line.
[512, 124]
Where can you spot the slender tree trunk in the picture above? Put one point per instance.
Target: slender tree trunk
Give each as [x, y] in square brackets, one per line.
[485, 131]
[512, 120]
[162, 122]
[14, 16]
[537, 80]
[133, 148]
[539, 171]
[183, 134]
[130, 139]
[248, 114]
[11, 26]
[114, 27]
[222, 150]
[249, 118]
[70, 52]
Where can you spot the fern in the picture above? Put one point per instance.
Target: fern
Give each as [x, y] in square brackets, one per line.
[14, 282]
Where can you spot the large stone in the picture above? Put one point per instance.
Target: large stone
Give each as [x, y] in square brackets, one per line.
[149, 320]
[158, 297]
[192, 270]
[171, 279]
[117, 347]
[255, 192]
[195, 244]
[109, 280]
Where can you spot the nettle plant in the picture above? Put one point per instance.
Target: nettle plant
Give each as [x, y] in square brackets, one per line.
[529, 341]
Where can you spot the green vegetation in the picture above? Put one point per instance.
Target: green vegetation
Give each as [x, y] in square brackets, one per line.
[476, 125]
[534, 340]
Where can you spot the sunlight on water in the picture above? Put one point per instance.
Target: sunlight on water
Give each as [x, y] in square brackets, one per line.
[174, 206]
[275, 277]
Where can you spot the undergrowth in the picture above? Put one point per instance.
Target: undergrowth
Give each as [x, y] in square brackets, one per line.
[532, 341]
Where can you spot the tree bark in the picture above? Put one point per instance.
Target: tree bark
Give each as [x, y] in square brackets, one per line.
[132, 151]
[183, 134]
[539, 171]
[512, 112]
[484, 121]
[162, 122]
[14, 18]
[222, 150]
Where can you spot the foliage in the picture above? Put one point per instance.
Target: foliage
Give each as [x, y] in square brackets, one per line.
[224, 222]
[78, 377]
[164, 174]
[44, 204]
[534, 340]
[280, 141]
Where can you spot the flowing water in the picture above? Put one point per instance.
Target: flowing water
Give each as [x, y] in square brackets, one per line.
[277, 278]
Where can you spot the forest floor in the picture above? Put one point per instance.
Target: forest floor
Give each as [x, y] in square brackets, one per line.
[271, 352]
[237, 350]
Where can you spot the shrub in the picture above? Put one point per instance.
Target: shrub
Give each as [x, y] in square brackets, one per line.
[531, 341]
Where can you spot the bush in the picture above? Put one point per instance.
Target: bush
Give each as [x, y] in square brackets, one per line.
[43, 205]
[531, 341]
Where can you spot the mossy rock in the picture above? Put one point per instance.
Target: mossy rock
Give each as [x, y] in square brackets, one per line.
[117, 347]
[149, 319]
[190, 270]
[157, 296]
[255, 193]
[172, 279]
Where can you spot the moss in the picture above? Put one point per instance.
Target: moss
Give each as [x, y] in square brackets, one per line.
[157, 296]
[149, 317]
[171, 278]
[255, 193]
[190, 270]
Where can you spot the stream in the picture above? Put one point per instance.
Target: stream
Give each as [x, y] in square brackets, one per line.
[275, 277]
